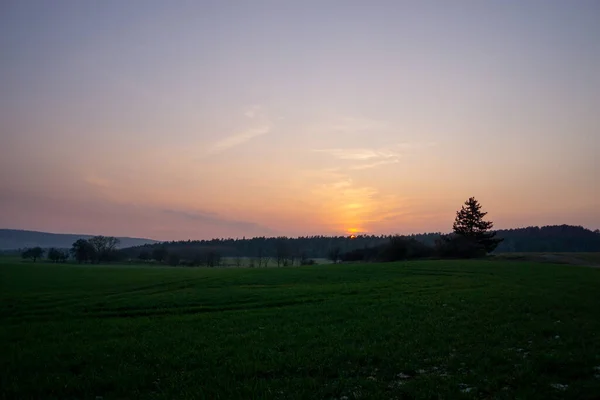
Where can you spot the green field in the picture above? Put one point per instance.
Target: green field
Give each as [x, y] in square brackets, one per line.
[414, 330]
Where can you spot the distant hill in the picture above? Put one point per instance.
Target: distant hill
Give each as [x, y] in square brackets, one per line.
[12, 239]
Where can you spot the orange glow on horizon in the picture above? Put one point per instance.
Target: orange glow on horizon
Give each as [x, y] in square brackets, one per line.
[354, 232]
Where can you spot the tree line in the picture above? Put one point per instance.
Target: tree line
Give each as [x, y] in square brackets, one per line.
[472, 236]
[93, 250]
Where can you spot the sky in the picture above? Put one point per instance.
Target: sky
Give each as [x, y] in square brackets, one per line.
[230, 118]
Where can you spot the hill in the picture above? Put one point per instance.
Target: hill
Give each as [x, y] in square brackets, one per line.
[12, 239]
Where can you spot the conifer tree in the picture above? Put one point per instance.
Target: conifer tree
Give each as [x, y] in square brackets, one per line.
[469, 223]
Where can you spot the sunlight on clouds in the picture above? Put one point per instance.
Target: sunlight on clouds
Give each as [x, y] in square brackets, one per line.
[374, 165]
[346, 203]
[372, 158]
[357, 154]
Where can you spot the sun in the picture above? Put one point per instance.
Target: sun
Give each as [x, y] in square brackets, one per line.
[353, 232]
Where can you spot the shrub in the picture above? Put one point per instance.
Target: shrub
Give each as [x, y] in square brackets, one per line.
[458, 246]
[401, 248]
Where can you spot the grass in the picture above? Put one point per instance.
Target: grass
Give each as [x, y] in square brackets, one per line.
[426, 330]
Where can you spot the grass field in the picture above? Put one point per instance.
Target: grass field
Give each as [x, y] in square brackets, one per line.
[414, 330]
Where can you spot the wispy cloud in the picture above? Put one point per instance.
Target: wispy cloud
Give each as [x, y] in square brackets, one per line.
[374, 157]
[374, 165]
[211, 218]
[97, 181]
[252, 111]
[239, 138]
[261, 126]
[357, 154]
[345, 183]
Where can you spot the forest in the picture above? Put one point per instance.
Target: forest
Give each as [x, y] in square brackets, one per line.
[557, 238]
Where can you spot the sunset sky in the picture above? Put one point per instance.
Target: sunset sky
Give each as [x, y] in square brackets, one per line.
[201, 119]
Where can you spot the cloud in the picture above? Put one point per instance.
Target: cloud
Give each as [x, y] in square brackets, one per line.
[97, 181]
[357, 154]
[198, 215]
[253, 111]
[262, 126]
[376, 157]
[374, 165]
[414, 145]
[211, 218]
[238, 139]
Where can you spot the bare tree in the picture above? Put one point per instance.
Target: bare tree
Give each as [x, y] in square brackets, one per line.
[212, 258]
[334, 254]
[237, 259]
[260, 256]
[282, 251]
[303, 258]
[105, 247]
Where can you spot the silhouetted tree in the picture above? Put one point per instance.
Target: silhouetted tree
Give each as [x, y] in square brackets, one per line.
[173, 259]
[144, 256]
[212, 258]
[291, 257]
[159, 254]
[33, 253]
[54, 255]
[469, 223]
[334, 254]
[105, 247]
[402, 248]
[457, 246]
[303, 258]
[281, 251]
[237, 260]
[260, 256]
[83, 251]
[57, 255]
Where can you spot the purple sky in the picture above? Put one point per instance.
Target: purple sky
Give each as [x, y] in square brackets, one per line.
[199, 119]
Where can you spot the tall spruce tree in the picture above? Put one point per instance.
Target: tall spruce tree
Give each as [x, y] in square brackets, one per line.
[469, 223]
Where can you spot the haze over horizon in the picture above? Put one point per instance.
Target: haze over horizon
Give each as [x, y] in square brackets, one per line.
[194, 120]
